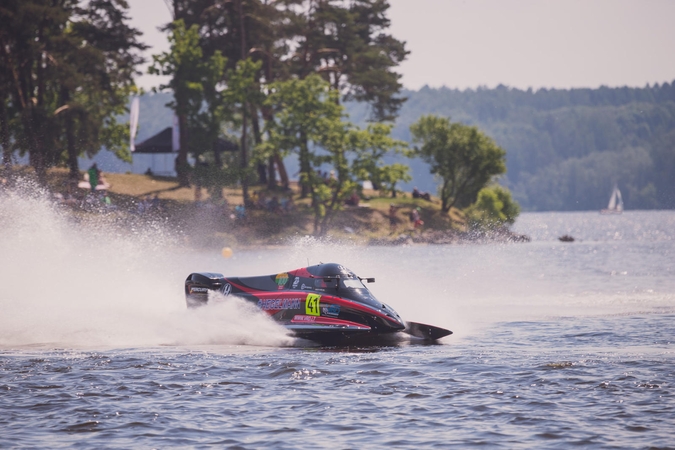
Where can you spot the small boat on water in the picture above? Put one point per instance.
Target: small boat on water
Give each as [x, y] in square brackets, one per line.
[326, 303]
[615, 205]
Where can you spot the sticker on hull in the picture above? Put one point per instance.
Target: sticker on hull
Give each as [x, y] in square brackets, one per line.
[281, 280]
[331, 310]
[312, 305]
[279, 304]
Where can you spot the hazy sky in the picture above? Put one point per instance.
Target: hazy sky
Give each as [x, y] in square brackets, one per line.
[519, 43]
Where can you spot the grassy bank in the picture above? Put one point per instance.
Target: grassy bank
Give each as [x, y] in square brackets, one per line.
[208, 222]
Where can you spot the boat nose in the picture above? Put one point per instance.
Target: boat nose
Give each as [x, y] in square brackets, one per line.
[395, 321]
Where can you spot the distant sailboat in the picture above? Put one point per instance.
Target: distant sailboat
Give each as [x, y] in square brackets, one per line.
[615, 205]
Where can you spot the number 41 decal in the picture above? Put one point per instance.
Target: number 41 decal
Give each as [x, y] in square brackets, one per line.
[312, 305]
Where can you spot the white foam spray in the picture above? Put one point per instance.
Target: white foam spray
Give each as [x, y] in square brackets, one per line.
[66, 283]
[69, 283]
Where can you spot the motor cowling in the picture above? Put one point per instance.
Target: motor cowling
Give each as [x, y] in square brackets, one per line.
[198, 285]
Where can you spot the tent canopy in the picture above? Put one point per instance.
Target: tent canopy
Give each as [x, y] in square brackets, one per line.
[161, 143]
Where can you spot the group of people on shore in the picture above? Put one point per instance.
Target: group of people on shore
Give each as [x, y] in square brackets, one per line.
[423, 195]
[414, 215]
[283, 205]
[212, 207]
[149, 204]
[89, 194]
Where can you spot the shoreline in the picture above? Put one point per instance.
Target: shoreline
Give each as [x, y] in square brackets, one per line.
[132, 201]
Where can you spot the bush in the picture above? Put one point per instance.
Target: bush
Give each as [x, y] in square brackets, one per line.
[494, 207]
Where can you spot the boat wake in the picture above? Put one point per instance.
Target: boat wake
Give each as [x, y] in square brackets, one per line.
[71, 284]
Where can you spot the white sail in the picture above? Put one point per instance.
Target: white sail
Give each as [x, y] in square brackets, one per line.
[619, 200]
[615, 204]
[612, 200]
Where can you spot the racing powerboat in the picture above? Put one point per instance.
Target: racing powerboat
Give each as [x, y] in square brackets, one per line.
[326, 303]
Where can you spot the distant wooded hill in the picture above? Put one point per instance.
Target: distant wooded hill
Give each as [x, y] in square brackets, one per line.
[565, 148]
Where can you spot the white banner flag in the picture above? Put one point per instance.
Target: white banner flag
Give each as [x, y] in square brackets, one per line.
[133, 122]
[175, 135]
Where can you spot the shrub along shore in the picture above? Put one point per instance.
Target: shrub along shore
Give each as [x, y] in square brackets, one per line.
[276, 217]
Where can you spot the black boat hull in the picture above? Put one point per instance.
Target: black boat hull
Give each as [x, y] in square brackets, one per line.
[326, 303]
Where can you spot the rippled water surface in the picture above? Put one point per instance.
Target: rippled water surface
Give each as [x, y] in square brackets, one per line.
[556, 345]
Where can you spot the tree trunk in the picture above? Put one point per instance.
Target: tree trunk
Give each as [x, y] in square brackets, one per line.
[244, 160]
[271, 174]
[261, 168]
[217, 158]
[39, 119]
[181, 160]
[25, 109]
[181, 165]
[257, 137]
[283, 175]
[276, 158]
[445, 198]
[244, 111]
[305, 169]
[37, 161]
[73, 166]
[329, 211]
[4, 135]
[242, 33]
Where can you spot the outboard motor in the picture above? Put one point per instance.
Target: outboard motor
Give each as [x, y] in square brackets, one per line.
[198, 285]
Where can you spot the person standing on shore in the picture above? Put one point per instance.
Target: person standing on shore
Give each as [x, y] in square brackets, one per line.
[93, 177]
[416, 220]
[392, 217]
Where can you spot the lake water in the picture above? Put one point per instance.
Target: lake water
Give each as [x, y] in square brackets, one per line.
[556, 345]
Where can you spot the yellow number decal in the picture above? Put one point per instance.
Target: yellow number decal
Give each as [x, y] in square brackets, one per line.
[312, 305]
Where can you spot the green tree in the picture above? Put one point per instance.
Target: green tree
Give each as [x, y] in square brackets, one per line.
[309, 121]
[306, 112]
[243, 92]
[243, 29]
[5, 115]
[206, 129]
[184, 64]
[68, 71]
[566, 147]
[96, 73]
[28, 31]
[347, 43]
[494, 207]
[463, 158]
[390, 175]
[371, 146]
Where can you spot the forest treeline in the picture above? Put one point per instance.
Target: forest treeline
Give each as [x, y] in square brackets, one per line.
[67, 69]
[272, 76]
[565, 149]
[315, 84]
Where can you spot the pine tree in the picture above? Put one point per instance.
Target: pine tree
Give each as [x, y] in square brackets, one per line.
[68, 70]
[349, 46]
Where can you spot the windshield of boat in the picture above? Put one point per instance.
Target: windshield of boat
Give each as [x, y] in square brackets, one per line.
[353, 283]
[354, 289]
